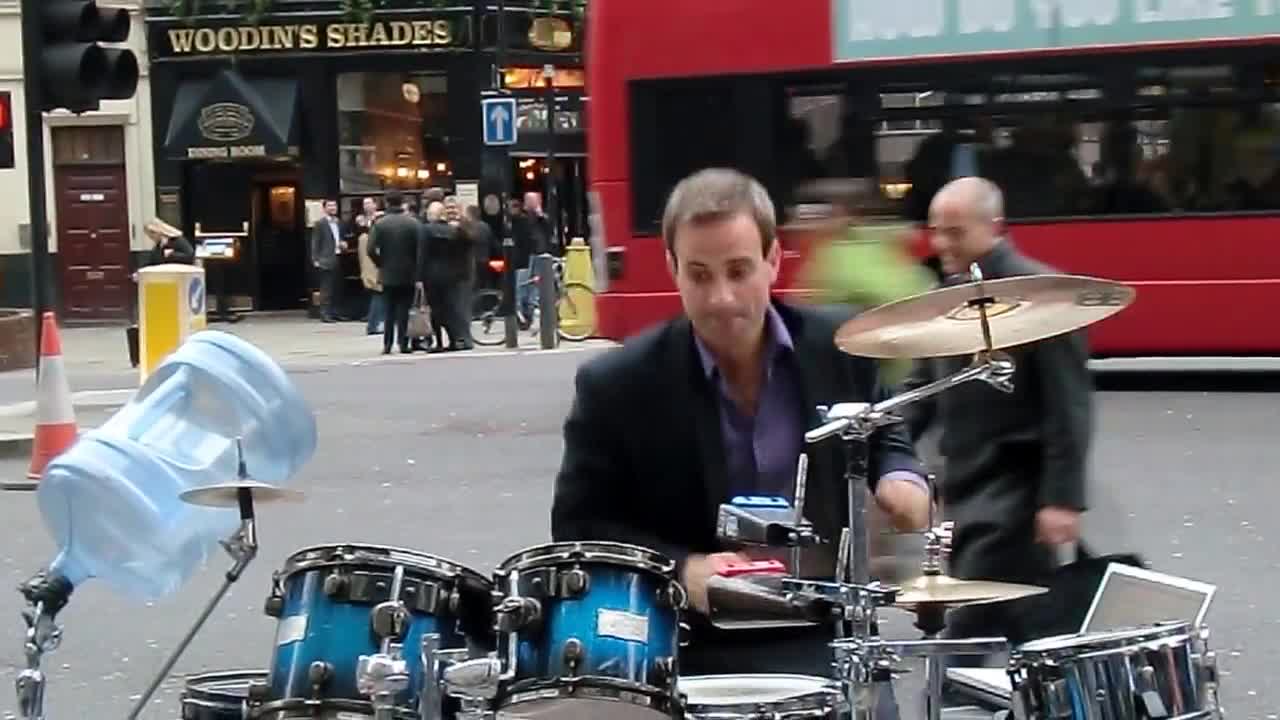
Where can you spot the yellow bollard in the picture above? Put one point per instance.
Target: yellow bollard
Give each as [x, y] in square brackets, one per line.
[171, 307]
[577, 311]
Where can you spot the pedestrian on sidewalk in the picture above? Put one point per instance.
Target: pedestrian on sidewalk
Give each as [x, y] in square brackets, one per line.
[394, 243]
[370, 275]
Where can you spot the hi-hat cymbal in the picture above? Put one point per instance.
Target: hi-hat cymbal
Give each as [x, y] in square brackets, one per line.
[946, 590]
[228, 494]
[946, 322]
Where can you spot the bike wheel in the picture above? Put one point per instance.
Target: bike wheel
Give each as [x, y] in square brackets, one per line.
[576, 312]
[486, 323]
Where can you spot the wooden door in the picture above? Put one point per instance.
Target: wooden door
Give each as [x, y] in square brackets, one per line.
[93, 222]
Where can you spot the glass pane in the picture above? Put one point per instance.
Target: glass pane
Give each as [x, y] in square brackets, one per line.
[392, 131]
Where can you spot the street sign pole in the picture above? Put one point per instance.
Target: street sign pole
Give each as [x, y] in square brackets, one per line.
[33, 101]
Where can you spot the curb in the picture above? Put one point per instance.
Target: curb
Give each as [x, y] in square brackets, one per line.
[14, 445]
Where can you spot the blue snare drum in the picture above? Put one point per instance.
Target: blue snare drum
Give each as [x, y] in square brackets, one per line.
[324, 597]
[588, 629]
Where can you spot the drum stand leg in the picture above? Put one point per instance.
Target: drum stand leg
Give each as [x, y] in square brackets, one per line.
[46, 595]
[242, 547]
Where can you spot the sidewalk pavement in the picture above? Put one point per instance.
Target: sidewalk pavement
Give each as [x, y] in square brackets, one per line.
[292, 339]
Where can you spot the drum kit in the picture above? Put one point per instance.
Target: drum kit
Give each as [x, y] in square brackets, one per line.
[593, 629]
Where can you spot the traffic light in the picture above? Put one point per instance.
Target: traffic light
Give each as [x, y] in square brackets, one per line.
[76, 72]
[6, 132]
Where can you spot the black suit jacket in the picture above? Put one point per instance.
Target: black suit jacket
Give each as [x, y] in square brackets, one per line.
[644, 458]
[395, 248]
[1008, 455]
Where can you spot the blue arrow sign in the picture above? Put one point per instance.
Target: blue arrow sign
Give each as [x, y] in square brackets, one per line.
[499, 116]
[195, 296]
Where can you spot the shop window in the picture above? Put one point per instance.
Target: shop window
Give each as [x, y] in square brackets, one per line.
[392, 130]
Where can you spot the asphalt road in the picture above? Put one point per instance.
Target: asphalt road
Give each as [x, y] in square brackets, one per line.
[456, 457]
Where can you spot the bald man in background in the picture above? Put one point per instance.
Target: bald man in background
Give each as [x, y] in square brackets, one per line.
[1015, 463]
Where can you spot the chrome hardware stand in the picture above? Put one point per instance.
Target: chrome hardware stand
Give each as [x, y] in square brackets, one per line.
[863, 659]
[384, 675]
[46, 595]
[242, 546]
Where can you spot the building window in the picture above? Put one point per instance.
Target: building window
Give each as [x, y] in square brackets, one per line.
[392, 131]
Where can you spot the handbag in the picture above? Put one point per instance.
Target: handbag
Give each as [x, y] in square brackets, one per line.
[1072, 587]
[419, 316]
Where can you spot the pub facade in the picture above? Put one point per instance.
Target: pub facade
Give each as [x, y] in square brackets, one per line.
[261, 119]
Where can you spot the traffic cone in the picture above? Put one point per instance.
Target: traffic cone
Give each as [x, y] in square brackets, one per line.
[55, 417]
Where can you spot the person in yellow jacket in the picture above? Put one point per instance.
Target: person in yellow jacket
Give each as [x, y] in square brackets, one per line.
[861, 258]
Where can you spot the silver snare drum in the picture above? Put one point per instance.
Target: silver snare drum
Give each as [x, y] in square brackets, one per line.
[1161, 671]
[746, 697]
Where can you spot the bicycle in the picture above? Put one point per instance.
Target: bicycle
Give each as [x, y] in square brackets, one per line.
[575, 310]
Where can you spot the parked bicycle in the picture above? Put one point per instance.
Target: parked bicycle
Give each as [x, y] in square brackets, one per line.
[575, 309]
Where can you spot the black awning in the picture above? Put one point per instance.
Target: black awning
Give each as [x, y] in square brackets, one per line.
[230, 117]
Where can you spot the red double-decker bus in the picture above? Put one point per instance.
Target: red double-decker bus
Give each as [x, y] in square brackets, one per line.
[1136, 140]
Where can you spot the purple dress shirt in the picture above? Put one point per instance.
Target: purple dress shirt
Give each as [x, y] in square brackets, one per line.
[761, 451]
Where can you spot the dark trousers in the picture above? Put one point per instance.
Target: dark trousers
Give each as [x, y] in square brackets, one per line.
[398, 300]
[450, 302]
[801, 651]
[331, 287]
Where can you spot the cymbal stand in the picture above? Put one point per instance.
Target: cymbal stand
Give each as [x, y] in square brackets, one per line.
[242, 546]
[862, 658]
[46, 595]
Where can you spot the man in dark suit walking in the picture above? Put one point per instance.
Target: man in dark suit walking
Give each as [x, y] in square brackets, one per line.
[396, 249]
[326, 246]
[1015, 472]
[714, 404]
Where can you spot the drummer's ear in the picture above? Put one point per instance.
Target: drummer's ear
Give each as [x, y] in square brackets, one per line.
[1001, 227]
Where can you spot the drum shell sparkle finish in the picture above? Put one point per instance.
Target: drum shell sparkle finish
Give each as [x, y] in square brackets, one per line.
[1113, 675]
[623, 625]
[325, 600]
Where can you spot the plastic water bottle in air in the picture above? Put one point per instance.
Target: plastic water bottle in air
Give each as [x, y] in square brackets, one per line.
[112, 501]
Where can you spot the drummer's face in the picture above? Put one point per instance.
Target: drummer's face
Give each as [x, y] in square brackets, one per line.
[724, 276]
[959, 235]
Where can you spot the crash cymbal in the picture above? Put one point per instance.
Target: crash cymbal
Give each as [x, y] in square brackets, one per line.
[946, 321]
[228, 494]
[946, 590]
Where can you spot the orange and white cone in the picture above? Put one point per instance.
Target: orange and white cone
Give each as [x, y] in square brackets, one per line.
[55, 416]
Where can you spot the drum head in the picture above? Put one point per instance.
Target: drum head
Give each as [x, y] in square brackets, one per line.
[748, 694]
[218, 695]
[583, 698]
[610, 553]
[1087, 642]
[355, 555]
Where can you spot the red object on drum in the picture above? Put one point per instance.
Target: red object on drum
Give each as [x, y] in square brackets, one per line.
[758, 566]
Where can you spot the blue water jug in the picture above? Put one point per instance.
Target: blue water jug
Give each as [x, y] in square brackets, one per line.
[112, 501]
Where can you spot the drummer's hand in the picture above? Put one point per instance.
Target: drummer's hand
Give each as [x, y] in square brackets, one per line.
[906, 502]
[1057, 525]
[698, 569]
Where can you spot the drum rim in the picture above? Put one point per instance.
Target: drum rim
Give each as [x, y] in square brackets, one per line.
[363, 707]
[827, 690]
[1105, 640]
[436, 566]
[659, 699]
[193, 691]
[560, 553]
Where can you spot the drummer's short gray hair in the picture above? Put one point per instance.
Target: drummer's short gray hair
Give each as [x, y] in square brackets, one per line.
[716, 194]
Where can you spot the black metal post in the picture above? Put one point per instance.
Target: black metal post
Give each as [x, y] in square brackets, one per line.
[544, 263]
[33, 101]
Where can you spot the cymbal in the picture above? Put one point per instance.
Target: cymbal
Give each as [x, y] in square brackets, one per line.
[228, 494]
[945, 322]
[946, 590]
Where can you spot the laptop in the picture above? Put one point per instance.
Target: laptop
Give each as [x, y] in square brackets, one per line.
[1127, 597]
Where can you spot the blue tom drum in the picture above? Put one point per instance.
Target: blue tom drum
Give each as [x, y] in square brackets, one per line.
[588, 629]
[324, 598]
